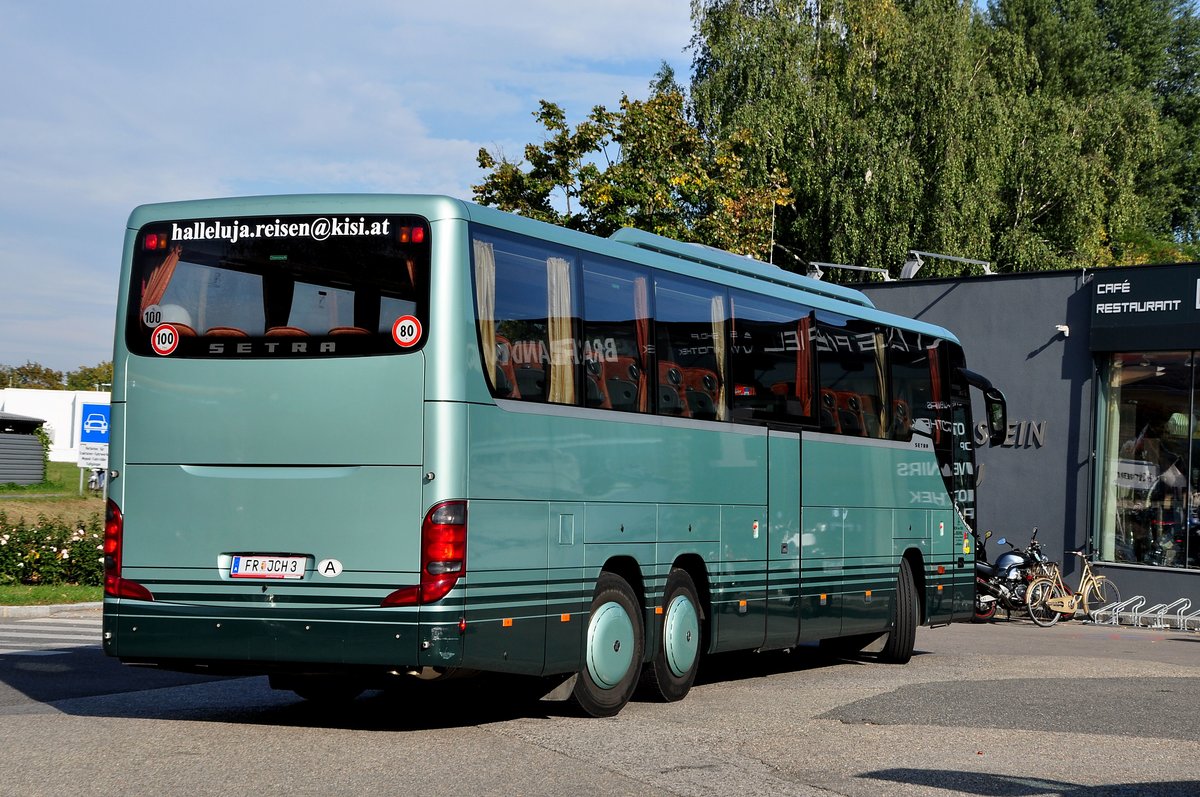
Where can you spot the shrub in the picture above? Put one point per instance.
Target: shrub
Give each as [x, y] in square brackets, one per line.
[52, 551]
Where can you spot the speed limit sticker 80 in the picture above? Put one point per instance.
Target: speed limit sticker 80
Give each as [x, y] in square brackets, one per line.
[164, 339]
[406, 331]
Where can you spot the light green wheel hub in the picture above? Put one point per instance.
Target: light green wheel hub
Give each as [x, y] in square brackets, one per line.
[609, 645]
[681, 635]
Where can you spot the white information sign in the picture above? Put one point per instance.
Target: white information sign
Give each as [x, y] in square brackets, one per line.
[93, 455]
[93, 435]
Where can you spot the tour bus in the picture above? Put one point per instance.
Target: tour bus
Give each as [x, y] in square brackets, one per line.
[358, 439]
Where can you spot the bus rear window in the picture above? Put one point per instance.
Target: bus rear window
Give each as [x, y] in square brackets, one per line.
[294, 286]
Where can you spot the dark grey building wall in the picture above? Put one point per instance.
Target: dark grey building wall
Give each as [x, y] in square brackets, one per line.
[1041, 477]
[1007, 325]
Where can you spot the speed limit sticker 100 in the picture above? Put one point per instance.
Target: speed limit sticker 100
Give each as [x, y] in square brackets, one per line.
[406, 331]
[164, 339]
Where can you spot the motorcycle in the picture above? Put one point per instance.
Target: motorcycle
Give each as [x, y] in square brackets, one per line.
[1003, 582]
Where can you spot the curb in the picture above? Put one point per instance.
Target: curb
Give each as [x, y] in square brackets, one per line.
[20, 612]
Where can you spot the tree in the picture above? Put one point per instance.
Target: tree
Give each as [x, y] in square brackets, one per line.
[642, 165]
[95, 377]
[32, 375]
[1089, 181]
[1036, 134]
[1031, 136]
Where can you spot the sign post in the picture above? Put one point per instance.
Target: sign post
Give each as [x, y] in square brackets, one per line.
[93, 443]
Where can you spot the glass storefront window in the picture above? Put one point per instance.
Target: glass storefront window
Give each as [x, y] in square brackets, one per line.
[1151, 456]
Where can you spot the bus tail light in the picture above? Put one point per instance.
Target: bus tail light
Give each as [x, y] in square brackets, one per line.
[443, 555]
[114, 585]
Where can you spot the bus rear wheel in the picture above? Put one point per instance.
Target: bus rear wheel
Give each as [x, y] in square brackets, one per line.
[898, 648]
[670, 674]
[613, 649]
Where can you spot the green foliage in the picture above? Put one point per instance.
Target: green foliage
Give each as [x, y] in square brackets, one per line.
[1036, 134]
[37, 376]
[93, 377]
[44, 438]
[52, 551]
[42, 594]
[31, 375]
[642, 165]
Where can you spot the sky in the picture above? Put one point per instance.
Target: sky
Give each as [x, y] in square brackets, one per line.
[106, 106]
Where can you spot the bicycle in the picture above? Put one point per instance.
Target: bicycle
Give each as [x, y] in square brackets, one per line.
[1049, 599]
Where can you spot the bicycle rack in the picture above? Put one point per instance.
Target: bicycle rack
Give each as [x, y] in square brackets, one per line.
[1184, 620]
[1179, 607]
[1112, 612]
[1153, 611]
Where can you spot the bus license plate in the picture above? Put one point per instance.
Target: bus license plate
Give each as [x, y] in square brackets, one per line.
[265, 566]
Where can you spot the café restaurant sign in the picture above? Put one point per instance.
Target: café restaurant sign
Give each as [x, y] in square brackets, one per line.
[1142, 308]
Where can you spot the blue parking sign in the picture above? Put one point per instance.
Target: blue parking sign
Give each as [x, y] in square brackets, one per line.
[94, 425]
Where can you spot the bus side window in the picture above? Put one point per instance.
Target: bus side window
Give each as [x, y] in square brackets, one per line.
[526, 297]
[690, 323]
[771, 361]
[852, 368]
[616, 331]
[912, 392]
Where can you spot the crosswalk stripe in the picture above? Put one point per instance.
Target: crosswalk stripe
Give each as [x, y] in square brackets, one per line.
[36, 636]
[48, 636]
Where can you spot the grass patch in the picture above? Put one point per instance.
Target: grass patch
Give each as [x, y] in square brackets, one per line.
[47, 594]
[61, 477]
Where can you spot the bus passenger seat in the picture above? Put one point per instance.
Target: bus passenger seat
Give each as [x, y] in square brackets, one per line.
[702, 392]
[349, 331]
[531, 380]
[286, 332]
[225, 332]
[829, 413]
[597, 388]
[670, 383]
[621, 379]
[850, 414]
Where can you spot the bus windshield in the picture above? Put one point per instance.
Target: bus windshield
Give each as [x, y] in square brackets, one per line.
[294, 286]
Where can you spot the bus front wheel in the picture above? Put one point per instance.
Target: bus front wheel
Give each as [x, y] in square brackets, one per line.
[898, 648]
[613, 649]
[670, 673]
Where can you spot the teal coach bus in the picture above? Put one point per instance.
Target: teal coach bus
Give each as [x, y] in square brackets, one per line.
[358, 439]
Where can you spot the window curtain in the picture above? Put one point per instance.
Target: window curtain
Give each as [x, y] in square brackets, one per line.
[485, 303]
[562, 344]
[160, 278]
[939, 398]
[641, 314]
[881, 402]
[804, 365]
[718, 337]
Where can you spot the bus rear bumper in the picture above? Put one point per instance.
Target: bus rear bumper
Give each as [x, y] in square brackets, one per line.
[224, 640]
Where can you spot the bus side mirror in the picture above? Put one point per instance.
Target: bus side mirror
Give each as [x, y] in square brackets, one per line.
[997, 416]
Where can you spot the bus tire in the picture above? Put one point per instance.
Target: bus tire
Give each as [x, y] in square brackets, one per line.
[670, 674]
[898, 648]
[613, 649]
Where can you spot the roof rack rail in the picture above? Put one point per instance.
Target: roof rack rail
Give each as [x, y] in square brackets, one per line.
[738, 264]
